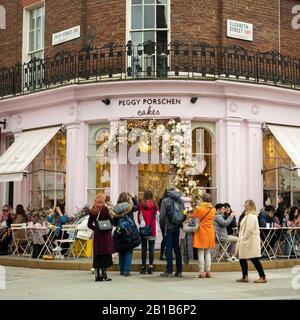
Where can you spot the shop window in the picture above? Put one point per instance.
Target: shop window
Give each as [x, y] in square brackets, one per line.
[98, 164]
[48, 178]
[203, 150]
[278, 179]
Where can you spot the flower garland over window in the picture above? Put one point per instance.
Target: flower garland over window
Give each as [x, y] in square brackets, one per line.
[169, 139]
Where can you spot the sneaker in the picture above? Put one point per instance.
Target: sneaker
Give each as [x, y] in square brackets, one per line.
[127, 274]
[178, 274]
[166, 275]
[229, 259]
[234, 259]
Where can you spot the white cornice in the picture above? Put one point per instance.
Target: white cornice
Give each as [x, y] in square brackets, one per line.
[95, 91]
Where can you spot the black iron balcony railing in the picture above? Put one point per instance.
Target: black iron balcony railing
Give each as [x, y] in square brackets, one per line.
[150, 61]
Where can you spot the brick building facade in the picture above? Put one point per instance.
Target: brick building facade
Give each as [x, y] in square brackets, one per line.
[232, 112]
[191, 21]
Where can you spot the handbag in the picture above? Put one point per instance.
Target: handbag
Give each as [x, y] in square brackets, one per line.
[147, 230]
[103, 224]
[191, 226]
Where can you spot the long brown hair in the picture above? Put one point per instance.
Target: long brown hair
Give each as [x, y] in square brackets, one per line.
[148, 195]
[95, 208]
[124, 197]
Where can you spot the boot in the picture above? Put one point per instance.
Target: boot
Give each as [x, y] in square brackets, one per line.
[143, 271]
[104, 275]
[150, 270]
[97, 276]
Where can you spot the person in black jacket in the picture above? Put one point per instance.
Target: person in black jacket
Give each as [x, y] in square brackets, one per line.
[171, 231]
[163, 242]
[232, 225]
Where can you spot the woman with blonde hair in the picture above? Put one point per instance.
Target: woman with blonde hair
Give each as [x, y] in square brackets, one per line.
[248, 246]
[102, 242]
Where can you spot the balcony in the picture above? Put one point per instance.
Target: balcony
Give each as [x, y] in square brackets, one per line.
[150, 61]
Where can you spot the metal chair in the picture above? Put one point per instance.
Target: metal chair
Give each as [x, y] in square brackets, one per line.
[21, 240]
[223, 248]
[68, 236]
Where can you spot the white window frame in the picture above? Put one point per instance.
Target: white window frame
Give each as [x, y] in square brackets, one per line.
[93, 129]
[2, 17]
[155, 29]
[211, 128]
[277, 189]
[43, 190]
[26, 54]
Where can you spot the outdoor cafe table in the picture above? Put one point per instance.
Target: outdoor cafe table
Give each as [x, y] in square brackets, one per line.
[288, 236]
[43, 235]
[267, 235]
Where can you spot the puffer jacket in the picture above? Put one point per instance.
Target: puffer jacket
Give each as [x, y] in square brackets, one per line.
[149, 215]
[167, 206]
[121, 212]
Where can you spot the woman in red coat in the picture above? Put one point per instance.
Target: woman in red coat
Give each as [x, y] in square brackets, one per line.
[147, 217]
[102, 242]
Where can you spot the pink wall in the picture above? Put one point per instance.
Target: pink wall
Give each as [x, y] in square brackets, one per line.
[238, 110]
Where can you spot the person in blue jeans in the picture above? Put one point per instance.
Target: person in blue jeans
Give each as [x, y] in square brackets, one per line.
[171, 231]
[124, 243]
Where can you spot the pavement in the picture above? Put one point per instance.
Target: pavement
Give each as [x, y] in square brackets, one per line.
[40, 284]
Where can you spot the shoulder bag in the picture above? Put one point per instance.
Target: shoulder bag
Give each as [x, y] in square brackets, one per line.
[147, 230]
[103, 224]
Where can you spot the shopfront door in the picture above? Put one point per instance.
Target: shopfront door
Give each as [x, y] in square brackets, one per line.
[155, 177]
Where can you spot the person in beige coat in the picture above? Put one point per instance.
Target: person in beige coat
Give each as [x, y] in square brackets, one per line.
[248, 246]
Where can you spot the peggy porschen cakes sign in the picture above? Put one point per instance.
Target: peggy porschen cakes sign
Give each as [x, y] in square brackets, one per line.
[148, 106]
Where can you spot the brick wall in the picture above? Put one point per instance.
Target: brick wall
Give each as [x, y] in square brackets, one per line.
[62, 15]
[192, 21]
[11, 37]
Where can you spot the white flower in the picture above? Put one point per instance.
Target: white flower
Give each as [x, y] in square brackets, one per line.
[123, 130]
[178, 126]
[184, 127]
[166, 136]
[160, 129]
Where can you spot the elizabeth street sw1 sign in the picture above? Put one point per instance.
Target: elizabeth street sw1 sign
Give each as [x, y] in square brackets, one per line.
[239, 30]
